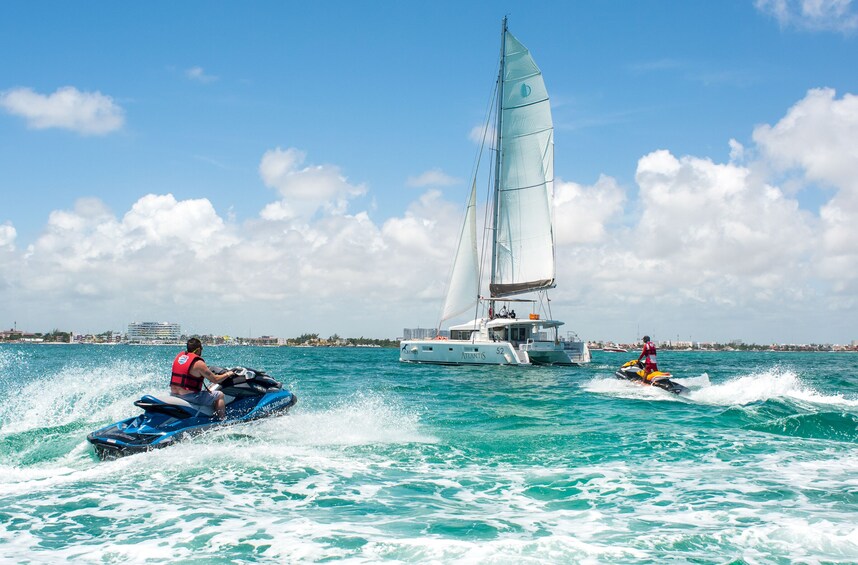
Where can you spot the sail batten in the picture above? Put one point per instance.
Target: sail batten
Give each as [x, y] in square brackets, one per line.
[525, 187]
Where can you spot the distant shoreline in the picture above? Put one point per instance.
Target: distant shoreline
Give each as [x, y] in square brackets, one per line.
[632, 351]
[182, 344]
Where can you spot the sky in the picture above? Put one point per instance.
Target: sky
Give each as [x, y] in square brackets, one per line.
[279, 168]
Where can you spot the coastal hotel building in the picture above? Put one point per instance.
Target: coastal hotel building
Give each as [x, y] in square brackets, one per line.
[154, 332]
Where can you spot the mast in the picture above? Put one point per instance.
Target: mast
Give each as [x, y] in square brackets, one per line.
[496, 209]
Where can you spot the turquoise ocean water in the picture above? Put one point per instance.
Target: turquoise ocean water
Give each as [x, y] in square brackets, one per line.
[383, 461]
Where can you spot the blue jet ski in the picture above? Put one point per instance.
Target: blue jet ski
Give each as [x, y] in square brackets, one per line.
[166, 419]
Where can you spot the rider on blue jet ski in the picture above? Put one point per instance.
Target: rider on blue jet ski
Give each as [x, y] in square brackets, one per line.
[189, 373]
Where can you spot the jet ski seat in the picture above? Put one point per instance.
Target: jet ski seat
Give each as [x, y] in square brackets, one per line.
[172, 405]
[658, 377]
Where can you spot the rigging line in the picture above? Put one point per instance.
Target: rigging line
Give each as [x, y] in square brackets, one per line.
[548, 305]
[489, 115]
[475, 169]
[489, 185]
[551, 316]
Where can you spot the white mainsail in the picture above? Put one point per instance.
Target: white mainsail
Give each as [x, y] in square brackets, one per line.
[523, 248]
[463, 292]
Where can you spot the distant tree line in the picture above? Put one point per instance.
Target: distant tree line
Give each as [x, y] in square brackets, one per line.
[55, 336]
[335, 340]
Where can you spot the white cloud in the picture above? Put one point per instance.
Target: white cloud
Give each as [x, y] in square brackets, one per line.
[479, 133]
[87, 113]
[180, 260]
[303, 190]
[433, 177]
[155, 237]
[199, 75]
[737, 151]
[818, 137]
[721, 248]
[814, 15]
[582, 213]
[7, 235]
[699, 216]
[703, 233]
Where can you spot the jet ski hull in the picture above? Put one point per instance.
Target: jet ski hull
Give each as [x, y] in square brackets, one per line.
[167, 421]
[632, 372]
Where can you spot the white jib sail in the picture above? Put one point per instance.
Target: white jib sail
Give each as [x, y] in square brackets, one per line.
[464, 280]
[524, 240]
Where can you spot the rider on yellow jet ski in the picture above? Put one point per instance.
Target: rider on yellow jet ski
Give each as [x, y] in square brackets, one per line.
[650, 364]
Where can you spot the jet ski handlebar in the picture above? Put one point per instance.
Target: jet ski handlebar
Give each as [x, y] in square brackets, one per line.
[251, 376]
[237, 371]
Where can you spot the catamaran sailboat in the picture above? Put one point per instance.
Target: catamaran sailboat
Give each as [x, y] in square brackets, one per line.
[522, 240]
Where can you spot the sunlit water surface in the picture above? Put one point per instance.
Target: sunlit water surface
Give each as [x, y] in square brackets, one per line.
[383, 461]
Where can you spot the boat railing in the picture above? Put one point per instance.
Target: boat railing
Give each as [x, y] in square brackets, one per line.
[533, 345]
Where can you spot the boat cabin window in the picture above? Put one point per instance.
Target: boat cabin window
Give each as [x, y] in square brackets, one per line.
[518, 333]
[427, 348]
[464, 335]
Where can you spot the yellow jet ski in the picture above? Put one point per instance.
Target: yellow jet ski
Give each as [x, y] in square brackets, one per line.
[634, 371]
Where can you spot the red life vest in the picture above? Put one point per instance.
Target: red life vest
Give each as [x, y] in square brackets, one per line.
[182, 372]
[649, 353]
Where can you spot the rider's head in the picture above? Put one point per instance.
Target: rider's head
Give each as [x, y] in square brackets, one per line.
[195, 346]
[645, 339]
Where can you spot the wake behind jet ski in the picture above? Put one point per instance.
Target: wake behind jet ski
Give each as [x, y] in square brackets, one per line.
[634, 371]
[249, 394]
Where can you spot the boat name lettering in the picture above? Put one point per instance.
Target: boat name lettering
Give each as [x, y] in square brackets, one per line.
[473, 355]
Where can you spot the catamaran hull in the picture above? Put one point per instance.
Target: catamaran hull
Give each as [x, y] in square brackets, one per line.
[453, 352]
[556, 357]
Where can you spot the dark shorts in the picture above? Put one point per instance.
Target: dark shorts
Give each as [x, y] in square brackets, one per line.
[202, 398]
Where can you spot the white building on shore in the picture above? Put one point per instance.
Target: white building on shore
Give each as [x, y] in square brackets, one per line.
[423, 333]
[154, 332]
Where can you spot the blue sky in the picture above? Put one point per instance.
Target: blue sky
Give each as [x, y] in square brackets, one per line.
[186, 99]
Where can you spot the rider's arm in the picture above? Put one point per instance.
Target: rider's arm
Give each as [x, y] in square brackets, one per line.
[204, 371]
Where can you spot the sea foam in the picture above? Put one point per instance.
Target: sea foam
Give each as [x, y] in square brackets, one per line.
[77, 394]
[773, 383]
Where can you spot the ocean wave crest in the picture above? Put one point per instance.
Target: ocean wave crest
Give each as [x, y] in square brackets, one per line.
[76, 394]
[768, 384]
